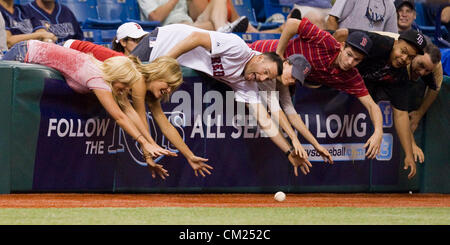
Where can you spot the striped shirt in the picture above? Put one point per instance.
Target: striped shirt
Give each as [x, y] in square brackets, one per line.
[320, 49]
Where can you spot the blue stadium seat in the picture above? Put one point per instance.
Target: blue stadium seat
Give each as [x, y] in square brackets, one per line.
[273, 6]
[251, 37]
[107, 35]
[23, 2]
[244, 8]
[113, 13]
[82, 9]
[92, 35]
[112, 9]
[99, 36]
[420, 14]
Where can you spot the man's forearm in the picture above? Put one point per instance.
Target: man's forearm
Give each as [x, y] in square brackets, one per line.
[192, 41]
[401, 121]
[298, 124]
[288, 32]
[268, 126]
[161, 13]
[430, 97]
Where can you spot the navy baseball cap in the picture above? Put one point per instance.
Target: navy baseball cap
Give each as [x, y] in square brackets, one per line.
[360, 41]
[300, 67]
[399, 3]
[414, 38]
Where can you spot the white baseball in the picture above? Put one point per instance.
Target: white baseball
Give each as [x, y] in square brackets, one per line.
[280, 196]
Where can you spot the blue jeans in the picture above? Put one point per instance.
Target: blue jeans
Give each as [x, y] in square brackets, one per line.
[17, 52]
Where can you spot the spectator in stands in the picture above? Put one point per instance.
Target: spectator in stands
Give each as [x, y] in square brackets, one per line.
[368, 15]
[110, 81]
[332, 64]
[386, 77]
[315, 10]
[3, 46]
[19, 26]
[406, 14]
[214, 17]
[127, 38]
[55, 18]
[225, 57]
[204, 7]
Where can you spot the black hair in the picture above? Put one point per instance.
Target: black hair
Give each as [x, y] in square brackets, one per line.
[433, 51]
[116, 46]
[277, 59]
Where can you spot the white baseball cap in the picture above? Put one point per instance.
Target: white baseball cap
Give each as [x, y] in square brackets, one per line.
[130, 29]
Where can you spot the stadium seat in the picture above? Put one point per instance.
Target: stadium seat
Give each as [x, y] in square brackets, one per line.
[112, 9]
[82, 9]
[107, 36]
[92, 35]
[251, 37]
[420, 14]
[23, 2]
[99, 36]
[273, 7]
[244, 8]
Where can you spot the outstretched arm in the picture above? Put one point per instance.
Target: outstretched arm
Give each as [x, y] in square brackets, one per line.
[300, 126]
[110, 105]
[401, 121]
[195, 39]
[269, 127]
[417, 115]
[374, 142]
[143, 128]
[197, 163]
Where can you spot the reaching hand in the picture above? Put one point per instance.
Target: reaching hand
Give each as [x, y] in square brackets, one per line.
[414, 119]
[412, 165]
[297, 161]
[325, 154]
[156, 169]
[298, 149]
[418, 153]
[155, 150]
[197, 163]
[373, 144]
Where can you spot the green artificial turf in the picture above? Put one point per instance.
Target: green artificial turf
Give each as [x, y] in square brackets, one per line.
[225, 216]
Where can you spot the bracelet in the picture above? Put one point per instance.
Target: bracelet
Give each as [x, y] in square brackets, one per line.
[288, 152]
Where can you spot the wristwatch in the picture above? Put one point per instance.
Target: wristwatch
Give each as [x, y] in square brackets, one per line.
[288, 152]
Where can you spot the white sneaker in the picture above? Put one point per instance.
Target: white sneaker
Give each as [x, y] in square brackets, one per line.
[239, 25]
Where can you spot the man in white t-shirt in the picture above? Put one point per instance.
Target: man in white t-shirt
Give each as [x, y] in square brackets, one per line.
[227, 58]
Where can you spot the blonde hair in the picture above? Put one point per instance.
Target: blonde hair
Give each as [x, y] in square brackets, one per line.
[120, 69]
[162, 68]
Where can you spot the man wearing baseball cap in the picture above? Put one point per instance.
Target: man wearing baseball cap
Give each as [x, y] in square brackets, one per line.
[128, 36]
[386, 78]
[406, 14]
[295, 69]
[332, 64]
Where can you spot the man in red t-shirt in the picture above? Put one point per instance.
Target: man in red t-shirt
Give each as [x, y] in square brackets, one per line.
[332, 64]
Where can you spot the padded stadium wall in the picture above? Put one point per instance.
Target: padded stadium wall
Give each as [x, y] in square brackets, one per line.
[55, 140]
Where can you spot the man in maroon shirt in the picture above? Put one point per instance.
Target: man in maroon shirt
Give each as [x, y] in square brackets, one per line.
[332, 64]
